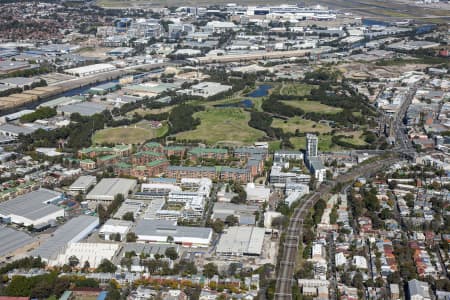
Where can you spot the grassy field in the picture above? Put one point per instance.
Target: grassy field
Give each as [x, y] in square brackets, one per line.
[354, 138]
[224, 126]
[134, 134]
[325, 143]
[296, 89]
[301, 124]
[153, 111]
[313, 106]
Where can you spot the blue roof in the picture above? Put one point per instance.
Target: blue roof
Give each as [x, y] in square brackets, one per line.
[102, 295]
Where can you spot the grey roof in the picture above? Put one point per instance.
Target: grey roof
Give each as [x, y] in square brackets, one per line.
[72, 231]
[16, 129]
[18, 80]
[169, 228]
[250, 151]
[150, 249]
[31, 205]
[110, 187]
[12, 240]
[417, 287]
[83, 108]
[84, 182]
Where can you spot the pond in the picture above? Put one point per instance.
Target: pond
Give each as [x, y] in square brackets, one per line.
[261, 91]
[247, 103]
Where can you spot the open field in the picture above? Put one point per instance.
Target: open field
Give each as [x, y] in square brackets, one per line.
[153, 111]
[135, 134]
[301, 124]
[325, 143]
[224, 125]
[354, 138]
[313, 106]
[293, 89]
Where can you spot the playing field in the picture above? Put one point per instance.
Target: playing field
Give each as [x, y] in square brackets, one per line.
[223, 125]
[313, 106]
[325, 143]
[133, 134]
[296, 89]
[303, 125]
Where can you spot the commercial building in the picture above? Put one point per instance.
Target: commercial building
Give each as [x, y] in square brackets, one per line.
[418, 290]
[257, 193]
[12, 240]
[317, 168]
[90, 70]
[83, 184]
[83, 108]
[166, 230]
[32, 209]
[71, 232]
[312, 143]
[240, 241]
[93, 253]
[206, 89]
[108, 188]
[115, 229]
[11, 130]
[244, 213]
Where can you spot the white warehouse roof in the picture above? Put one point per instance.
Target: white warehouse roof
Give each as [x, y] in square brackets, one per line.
[242, 240]
[108, 188]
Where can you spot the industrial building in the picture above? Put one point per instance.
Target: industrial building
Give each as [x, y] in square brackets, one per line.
[162, 230]
[83, 184]
[108, 188]
[241, 240]
[12, 240]
[90, 70]
[244, 213]
[32, 209]
[93, 253]
[71, 232]
[114, 227]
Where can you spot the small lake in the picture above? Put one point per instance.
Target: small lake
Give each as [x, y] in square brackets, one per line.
[247, 103]
[261, 91]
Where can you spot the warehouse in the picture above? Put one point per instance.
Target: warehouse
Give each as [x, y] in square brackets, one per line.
[93, 253]
[72, 232]
[113, 228]
[12, 240]
[34, 208]
[83, 108]
[240, 241]
[161, 230]
[90, 70]
[108, 188]
[83, 184]
[150, 249]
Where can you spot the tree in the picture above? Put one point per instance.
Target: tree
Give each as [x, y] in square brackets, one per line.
[210, 269]
[73, 261]
[106, 266]
[171, 253]
[231, 220]
[170, 239]
[102, 215]
[128, 216]
[86, 266]
[217, 226]
[131, 237]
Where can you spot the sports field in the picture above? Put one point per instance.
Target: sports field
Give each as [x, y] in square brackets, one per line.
[296, 89]
[133, 134]
[303, 125]
[223, 125]
[313, 106]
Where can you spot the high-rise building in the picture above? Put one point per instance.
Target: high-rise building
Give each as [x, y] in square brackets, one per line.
[312, 143]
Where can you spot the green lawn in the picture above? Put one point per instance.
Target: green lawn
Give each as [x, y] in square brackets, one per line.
[133, 134]
[313, 106]
[301, 124]
[354, 138]
[296, 89]
[223, 125]
[325, 143]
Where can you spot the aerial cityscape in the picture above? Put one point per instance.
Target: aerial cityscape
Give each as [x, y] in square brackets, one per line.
[205, 150]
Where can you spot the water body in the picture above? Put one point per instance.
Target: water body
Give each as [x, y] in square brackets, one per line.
[371, 22]
[247, 103]
[261, 91]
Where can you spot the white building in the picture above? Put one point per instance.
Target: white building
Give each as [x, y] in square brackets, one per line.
[360, 262]
[113, 227]
[93, 253]
[34, 208]
[108, 188]
[83, 184]
[257, 193]
[90, 70]
[240, 241]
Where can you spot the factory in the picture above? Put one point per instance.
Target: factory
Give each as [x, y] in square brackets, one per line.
[93, 253]
[13, 240]
[90, 70]
[83, 184]
[71, 232]
[241, 240]
[36, 208]
[113, 229]
[108, 188]
[165, 230]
